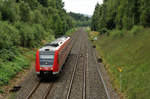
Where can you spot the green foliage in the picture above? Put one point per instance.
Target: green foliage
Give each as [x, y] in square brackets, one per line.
[28, 24]
[69, 33]
[10, 69]
[7, 55]
[131, 53]
[121, 14]
[103, 31]
[117, 33]
[58, 25]
[31, 21]
[145, 13]
[30, 35]
[9, 35]
[80, 19]
[9, 11]
[0, 15]
[25, 12]
[135, 30]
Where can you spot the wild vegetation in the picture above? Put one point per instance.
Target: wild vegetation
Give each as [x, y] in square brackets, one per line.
[81, 19]
[120, 14]
[123, 43]
[27, 24]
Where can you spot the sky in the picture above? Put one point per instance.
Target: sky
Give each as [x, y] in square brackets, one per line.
[81, 6]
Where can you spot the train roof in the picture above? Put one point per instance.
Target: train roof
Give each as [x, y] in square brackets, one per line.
[55, 45]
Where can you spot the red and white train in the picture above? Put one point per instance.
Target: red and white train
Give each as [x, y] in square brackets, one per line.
[51, 57]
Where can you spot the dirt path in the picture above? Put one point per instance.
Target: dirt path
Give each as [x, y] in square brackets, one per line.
[80, 78]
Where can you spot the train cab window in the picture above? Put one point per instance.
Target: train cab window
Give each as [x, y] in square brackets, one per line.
[46, 59]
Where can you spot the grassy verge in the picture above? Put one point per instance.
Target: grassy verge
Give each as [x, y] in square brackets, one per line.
[131, 53]
[9, 69]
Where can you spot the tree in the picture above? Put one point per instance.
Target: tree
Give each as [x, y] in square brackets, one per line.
[145, 13]
[121, 14]
[25, 12]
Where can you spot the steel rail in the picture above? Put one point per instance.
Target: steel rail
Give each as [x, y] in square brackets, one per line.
[100, 74]
[84, 70]
[73, 75]
[33, 90]
[49, 90]
[84, 75]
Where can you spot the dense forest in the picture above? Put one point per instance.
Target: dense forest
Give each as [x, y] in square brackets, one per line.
[27, 22]
[81, 19]
[121, 14]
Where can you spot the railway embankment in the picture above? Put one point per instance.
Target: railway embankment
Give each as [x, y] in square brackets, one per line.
[126, 58]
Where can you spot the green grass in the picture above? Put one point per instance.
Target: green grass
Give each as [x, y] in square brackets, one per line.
[131, 52]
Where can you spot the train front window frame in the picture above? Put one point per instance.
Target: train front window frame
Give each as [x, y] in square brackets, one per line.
[46, 56]
[46, 59]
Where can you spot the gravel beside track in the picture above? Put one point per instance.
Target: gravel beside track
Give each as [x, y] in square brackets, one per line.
[79, 79]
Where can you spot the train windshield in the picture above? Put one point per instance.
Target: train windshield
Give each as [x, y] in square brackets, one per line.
[46, 59]
[46, 56]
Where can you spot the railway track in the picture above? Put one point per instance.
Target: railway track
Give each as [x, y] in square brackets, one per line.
[73, 74]
[99, 73]
[84, 73]
[50, 85]
[48, 92]
[33, 91]
[84, 55]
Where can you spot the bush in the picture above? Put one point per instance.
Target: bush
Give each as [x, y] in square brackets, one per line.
[104, 31]
[10, 69]
[117, 33]
[0, 15]
[136, 29]
[7, 55]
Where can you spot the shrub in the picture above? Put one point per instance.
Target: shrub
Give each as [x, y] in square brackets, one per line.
[7, 55]
[0, 15]
[10, 69]
[103, 31]
[136, 29]
[117, 33]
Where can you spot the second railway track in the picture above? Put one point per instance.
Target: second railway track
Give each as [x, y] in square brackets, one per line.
[83, 57]
[73, 73]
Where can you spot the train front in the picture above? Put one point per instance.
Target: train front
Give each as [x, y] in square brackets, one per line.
[46, 62]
